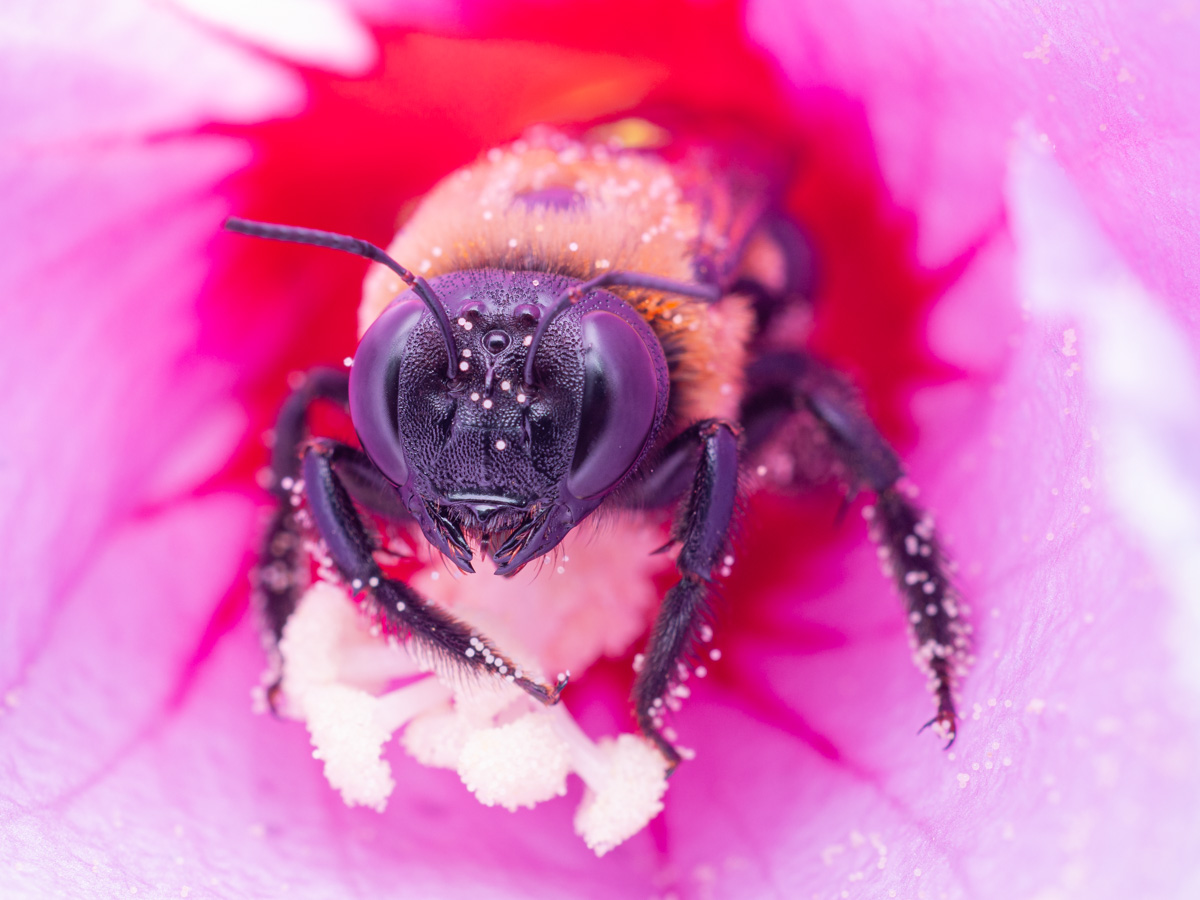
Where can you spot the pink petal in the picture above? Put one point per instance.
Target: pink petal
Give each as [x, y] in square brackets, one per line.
[1112, 87]
[128, 754]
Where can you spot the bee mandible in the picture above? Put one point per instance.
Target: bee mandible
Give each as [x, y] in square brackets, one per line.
[589, 326]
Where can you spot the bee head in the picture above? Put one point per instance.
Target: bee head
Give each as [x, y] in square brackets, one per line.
[509, 452]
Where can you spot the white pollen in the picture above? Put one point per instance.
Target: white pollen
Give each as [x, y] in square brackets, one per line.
[348, 361]
[462, 322]
[467, 353]
[349, 728]
[505, 385]
[500, 445]
[701, 671]
[487, 404]
[520, 398]
[624, 801]
[528, 340]
[400, 605]
[464, 366]
[487, 215]
[572, 246]
[518, 764]
[512, 242]
[470, 651]
[436, 251]
[474, 397]
[761, 471]
[714, 654]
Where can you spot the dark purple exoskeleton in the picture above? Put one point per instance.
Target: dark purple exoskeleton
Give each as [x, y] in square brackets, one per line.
[500, 405]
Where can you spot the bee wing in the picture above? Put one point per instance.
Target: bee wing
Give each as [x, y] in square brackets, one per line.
[732, 192]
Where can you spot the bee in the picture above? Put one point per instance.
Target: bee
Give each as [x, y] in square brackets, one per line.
[590, 325]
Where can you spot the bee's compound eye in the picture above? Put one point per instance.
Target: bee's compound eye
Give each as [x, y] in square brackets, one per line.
[620, 398]
[375, 386]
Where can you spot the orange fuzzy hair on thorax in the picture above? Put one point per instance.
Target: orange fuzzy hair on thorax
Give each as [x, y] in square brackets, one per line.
[636, 213]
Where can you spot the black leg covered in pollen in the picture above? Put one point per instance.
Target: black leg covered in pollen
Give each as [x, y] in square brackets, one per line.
[401, 610]
[702, 530]
[282, 570]
[784, 385]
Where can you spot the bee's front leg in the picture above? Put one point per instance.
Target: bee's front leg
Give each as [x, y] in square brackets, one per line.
[702, 531]
[401, 610]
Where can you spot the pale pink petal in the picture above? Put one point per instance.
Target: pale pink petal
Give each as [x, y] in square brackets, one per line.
[1111, 86]
[76, 72]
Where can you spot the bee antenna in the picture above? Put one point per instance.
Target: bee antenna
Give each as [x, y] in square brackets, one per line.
[572, 295]
[358, 247]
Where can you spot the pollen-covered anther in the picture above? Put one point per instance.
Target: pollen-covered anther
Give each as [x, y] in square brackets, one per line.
[349, 728]
[627, 798]
[519, 764]
[328, 641]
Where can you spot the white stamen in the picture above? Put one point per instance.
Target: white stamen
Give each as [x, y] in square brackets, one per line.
[626, 780]
[518, 764]
[349, 728]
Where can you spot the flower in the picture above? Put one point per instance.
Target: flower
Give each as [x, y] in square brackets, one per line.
[1007, 193]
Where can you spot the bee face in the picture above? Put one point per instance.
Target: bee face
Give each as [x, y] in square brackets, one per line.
[487, 455]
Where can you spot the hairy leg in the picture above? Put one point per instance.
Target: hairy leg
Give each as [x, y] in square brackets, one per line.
[787, 386]
[401, 610]
[702, 531]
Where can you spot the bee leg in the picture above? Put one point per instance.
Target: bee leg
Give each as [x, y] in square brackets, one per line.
[786, 384]
[282, 570]
[401, 610]
[792, 281]
[701, 530]
[667, 478]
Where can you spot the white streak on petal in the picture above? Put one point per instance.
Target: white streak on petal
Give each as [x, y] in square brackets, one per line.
[125, 68]
[1142, 379]
[318, 32]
